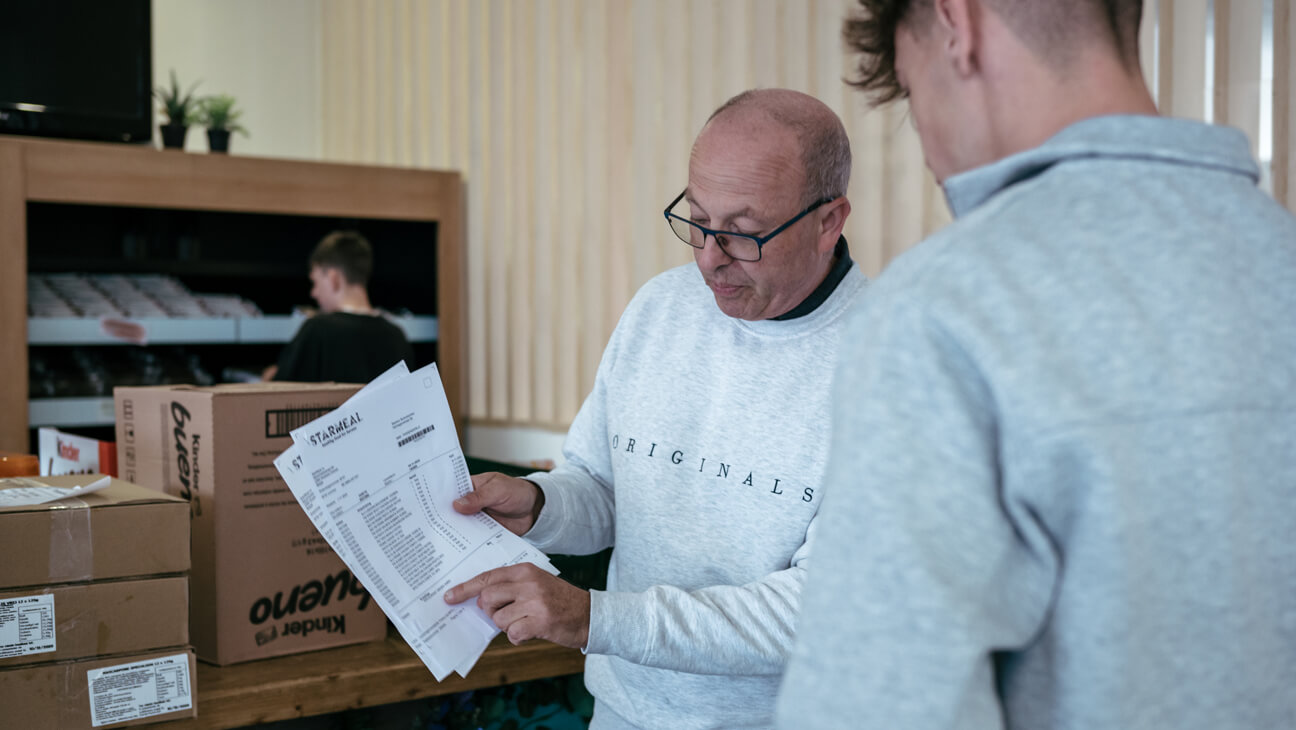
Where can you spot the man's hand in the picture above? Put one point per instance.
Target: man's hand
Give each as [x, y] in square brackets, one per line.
[528, 603]
[514, 503]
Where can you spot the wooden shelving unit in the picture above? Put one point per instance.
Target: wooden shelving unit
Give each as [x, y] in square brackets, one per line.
[36, 171]
[350, 677]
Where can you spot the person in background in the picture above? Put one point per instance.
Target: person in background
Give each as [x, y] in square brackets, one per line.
[348, 341]
[699, 453]
[1063, 465]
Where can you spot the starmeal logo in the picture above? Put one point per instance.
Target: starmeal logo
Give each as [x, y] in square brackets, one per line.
[710, 466]
[335, 430]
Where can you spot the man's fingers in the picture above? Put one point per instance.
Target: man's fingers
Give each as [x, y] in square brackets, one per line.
[488, 491]
[521, 630]
[473, 587]
[509, 613]
[468, 504]
[495, 597]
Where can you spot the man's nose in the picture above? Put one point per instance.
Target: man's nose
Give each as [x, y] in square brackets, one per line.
[711, 256]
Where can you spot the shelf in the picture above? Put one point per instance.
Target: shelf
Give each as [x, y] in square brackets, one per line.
[208, 220]
[419, 329]
[70, 412]
[187, 268]
[364, 675]
[160, 331]
[197, 331]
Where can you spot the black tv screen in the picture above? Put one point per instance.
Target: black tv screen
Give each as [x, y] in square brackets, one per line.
[76, 68]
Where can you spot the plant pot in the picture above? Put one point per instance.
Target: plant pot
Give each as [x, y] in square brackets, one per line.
[218, 140]
[173, 136]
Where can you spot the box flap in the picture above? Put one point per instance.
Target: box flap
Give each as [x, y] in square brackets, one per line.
[117, 492]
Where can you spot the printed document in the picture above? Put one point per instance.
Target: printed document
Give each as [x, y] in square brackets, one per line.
[377, 477]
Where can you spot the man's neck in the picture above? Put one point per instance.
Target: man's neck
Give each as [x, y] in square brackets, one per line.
[355, 300]
[1038, 101]
[838, 266]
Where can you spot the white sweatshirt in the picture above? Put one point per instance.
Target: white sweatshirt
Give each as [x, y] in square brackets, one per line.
[699, 455]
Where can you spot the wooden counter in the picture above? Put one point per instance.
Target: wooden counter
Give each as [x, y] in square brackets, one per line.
[363, 675]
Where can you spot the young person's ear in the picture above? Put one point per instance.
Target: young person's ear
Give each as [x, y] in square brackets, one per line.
[958, 22]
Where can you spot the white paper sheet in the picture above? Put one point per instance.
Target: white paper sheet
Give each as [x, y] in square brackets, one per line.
[377, 477]
[17, 491]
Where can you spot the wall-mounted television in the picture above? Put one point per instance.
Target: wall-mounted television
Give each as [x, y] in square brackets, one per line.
[77, 68]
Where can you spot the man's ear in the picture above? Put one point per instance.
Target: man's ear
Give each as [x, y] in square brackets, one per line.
[335, 280]
[831, 225]
[958, 22]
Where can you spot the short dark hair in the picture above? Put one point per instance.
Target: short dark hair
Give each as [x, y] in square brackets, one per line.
[871, 32]
[348, 252]
[1049, 27]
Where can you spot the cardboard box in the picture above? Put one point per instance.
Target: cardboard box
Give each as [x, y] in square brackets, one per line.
[264, 582]
[107, 692]
[85, 620]
[123, 531]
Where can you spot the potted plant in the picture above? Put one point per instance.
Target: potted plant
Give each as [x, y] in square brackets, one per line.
[179, 108]
[220, 117]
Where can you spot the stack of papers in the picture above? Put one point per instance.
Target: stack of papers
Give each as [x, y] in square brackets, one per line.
[377, 477]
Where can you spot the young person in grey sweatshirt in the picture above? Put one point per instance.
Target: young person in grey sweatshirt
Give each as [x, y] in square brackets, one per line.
[700, 452]
[1063, 477]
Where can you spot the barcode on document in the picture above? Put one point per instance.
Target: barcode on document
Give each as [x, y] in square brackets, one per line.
[281, 422]
[416, 435]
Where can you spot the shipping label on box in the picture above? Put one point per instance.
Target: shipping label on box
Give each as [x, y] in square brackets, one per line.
[108, 692]
[139, 690]
[264, 582]
[27, 626]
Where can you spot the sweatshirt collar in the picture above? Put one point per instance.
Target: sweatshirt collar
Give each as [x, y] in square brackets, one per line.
[1158, 139]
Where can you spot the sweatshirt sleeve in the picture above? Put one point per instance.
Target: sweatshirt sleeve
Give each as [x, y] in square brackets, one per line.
[725, 630]
[925, 568]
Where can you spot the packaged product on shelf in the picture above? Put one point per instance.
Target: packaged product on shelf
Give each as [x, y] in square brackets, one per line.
[227, 305]
[126, 297]
[67, 453]
[264, 582]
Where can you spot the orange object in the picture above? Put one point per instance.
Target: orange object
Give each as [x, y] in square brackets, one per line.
[18, 465]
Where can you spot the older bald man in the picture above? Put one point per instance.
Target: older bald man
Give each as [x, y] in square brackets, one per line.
[700, 453]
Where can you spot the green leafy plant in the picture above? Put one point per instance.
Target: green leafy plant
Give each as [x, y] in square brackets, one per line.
[179, 106]
[218, 112]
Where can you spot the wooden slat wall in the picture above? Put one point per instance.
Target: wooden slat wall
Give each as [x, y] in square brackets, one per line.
[1238, 29]
[572, 120]
[1181, 58]
[1284, 108]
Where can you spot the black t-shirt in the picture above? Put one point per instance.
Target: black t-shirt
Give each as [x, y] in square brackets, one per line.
[343, 347]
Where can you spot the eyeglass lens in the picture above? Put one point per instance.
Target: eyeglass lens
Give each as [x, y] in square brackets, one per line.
[737, 247]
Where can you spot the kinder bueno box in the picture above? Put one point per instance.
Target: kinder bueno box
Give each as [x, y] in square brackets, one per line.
[264, 582]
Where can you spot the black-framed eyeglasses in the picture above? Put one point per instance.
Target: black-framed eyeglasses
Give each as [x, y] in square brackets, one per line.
[739, 246]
